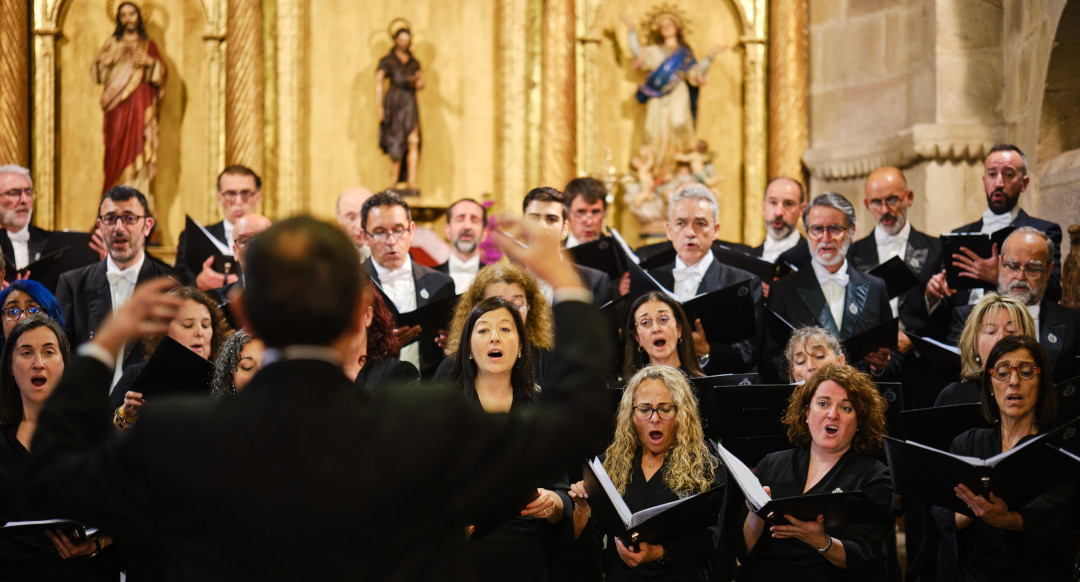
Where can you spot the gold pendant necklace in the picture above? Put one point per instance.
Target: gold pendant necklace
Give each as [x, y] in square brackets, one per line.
[652, 462]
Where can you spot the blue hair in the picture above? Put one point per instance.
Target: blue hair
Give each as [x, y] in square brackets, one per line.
[42, 296]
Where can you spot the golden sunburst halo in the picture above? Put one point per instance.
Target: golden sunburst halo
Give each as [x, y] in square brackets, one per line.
[651, 21]
[144, 6]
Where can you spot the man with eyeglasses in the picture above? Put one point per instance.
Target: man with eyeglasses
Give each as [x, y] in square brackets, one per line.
[388, 228]
[830, 293]
[239, 193]
[692, 227]
[888, 199]
[1024, 274]
[247, 227]
[89, 294]
[1005, 177]
[586, 199]
[20, 241]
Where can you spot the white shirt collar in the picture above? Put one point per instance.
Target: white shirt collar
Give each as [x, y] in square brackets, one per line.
[882, 237]
[228, 234]
[20, 235]
[995, 222]
[823, 273]
[572, 241]
[470, 266]
[773, 248]
[382, 271]
[112, 267]
[700, 267]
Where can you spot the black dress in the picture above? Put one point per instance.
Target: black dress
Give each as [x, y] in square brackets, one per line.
[963, 392]
[785, 473]
[388, 372]
[401, 113]
[33, 557]
[1040, 552]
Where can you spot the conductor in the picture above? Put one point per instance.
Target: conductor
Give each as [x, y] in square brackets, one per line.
[300, 476]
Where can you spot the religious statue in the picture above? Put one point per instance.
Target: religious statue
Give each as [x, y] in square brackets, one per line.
[671, 89]
[399, 116]
[133, 72]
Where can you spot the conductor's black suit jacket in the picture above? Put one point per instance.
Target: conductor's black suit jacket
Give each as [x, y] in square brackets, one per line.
[303, 477]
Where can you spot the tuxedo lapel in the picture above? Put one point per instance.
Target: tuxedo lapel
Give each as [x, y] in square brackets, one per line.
[98, 294]
[854, 302]
[423, 294]
[810, 292]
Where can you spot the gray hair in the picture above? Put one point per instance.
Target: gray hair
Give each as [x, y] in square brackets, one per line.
[19, 170]
[831, 200]
[807, 334]
[694, 192]
[227, 361]
[1032, 230]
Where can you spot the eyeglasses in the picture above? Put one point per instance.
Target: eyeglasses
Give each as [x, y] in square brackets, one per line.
[1031, 270]
[891, 202]
[233, 194]
[243, 241]
[1026, 371]
[817, 231]
[16, 193]
[15, 314]
[663, 321]
[112, 219]
[664, 411]
[382, 237]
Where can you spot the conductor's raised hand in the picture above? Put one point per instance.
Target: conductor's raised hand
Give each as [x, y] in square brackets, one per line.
[542, 256]
[147, 313]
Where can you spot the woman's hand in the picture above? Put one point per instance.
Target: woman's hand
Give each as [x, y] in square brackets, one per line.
[547, 506]
[68, 549]
[582, 510]
[701, 343]
[811, 533]
[994, 511]
[133, 403]
[646, 553]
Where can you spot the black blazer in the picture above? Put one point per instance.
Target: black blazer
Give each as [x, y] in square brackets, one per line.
[725, 358]
[217, 229]
[1053, 287]
[598, 282]
[1059, 335]
[85, 300]
[923, 256]
[36, 244]
[798, 255]
[430, 285]
[209, 477]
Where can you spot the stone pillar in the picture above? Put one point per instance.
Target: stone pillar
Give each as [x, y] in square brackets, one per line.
[244, 85]
[14, 84]
[788, 63]
[558, 124]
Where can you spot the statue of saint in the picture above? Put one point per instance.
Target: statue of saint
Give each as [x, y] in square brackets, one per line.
[671, 89]
[133, 73]
[399, 117]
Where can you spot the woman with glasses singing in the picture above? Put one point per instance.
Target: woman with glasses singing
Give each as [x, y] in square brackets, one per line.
[657, 332]
[23, 298]
[659, 454]
[836, 421]
[998, 542]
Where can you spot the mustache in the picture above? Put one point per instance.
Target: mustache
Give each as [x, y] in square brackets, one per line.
[1021, 285]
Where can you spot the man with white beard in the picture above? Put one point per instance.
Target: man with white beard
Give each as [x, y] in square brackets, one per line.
[1024, 274]
[466, 220]
[840, 299]
[20, 242]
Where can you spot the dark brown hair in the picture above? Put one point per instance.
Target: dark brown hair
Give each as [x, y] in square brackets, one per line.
[868, 403]
[1046, 408]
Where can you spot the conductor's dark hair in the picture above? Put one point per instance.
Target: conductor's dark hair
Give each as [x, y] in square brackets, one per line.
[123, 194]
[589, 189]
[238, 170]
[384, 198]
[11, 407]
[522, 378]
[302, 283]
[545, 194]
[1046, 407]
[118, 33]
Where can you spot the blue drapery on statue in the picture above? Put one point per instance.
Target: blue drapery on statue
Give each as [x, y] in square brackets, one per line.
[667, 77]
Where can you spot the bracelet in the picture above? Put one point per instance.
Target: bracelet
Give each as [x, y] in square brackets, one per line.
[827, 546]
[585, 515]
[124, 417]
[121, 421]
[100, 543]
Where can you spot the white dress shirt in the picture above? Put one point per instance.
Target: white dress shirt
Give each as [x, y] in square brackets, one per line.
[229, 240]
[889, 246]
[1034, 311]
[772, 249]
[121, 287]
[463, 272]
[687, 279]
[834, 287]
[400, 287]
[20, 242]
[572, 241]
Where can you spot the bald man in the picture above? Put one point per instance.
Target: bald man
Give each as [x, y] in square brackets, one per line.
[245, 229]
[888, 199]
[348, 216]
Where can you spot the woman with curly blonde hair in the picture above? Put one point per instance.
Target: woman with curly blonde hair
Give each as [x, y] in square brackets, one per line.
[836, 421]
[659, 454]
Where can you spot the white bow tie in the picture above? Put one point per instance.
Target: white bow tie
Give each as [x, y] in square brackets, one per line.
[396, 276]
[21, 236]
[996, 222]
[115, 277]
[682, 273]
[840, 279]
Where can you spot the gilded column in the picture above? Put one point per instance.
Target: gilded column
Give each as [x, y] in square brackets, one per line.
[788, 120]
[244, 141]
[14, 84]
[290, 106]
[558, 125]
[44, 123]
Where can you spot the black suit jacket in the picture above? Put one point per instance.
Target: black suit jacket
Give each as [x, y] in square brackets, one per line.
[598, 282]
[219, 481]
[923, 257]
[217, 229]
[1059, 335]
[430, 285]
[798, 255]
[725, 358]
[36, 244]
[1053, 287]
[85, 300]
